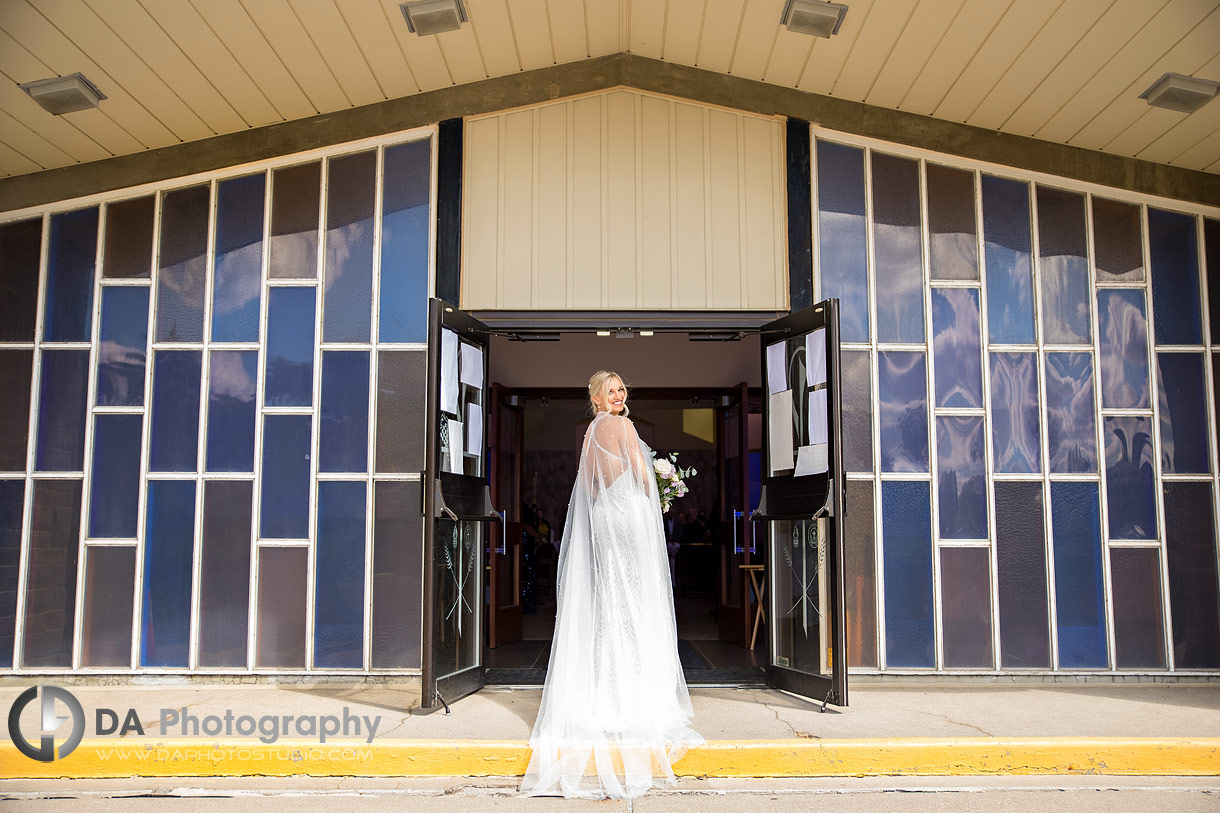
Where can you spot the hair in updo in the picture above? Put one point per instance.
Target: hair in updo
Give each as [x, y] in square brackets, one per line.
[597, 381]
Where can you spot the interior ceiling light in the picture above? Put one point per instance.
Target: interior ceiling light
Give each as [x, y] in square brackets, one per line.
[426, 17]
[813, 17]
[64, 94]
[1185, 94]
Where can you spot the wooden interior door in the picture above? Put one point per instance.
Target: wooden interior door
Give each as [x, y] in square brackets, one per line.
[506, 447]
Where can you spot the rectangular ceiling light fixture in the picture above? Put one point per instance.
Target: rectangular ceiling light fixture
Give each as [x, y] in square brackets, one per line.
[426, 17]
[813, 17]
[64, 94]
[1185, 94]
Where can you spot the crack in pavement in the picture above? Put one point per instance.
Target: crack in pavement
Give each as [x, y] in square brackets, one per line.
[950, 720]
[795, 733]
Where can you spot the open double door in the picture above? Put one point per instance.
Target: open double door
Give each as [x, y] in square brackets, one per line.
[798, 521]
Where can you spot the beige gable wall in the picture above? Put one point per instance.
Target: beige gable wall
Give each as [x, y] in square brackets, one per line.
[624, 200]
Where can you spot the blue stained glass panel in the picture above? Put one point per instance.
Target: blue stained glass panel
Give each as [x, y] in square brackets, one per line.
[903, 391]
[174, 445]
[1124, 349]
[1010, 298]
[290, 346]
[114, 501]
[956, 343]
[906, 518]
[339, 576]
[123, 348]
[1174, 253]
[233, 385]
[405, 229]
[63, 392]
[347, 313]
[1014, 412]
[168, 550]
[1183, 406]
[1021, 576]
[842, 237]
[1070, 427]
[239, 259]
[344, 432]
[182, 280]
[1080, 606]
[71, 262]
[1062, 247]
[286, 474]
[897, 249]
[962, 495]
[1130, 477]
[12, 512]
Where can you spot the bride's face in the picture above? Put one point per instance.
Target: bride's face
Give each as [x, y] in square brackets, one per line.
[612, 396]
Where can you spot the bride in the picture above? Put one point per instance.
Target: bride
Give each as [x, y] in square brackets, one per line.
[615, 707]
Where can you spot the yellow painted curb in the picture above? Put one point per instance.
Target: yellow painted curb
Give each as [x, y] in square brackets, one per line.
[113, 758]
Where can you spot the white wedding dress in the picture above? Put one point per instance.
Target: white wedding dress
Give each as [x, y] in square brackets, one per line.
[615, 709]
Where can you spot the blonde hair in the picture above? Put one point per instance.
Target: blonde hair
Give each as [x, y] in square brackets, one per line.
[597, 382]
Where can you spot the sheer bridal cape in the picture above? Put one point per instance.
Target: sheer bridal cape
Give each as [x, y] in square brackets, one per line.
[615, 707]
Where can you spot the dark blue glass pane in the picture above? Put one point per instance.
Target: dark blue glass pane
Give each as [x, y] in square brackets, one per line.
[1183, 403]
[174, 445]
[344, 439]
[71, 257]
[903, 389]
[182, 280]
[1010, 300]
[239, 259]
[1080, 595]
[290, 346]
[339, 576]
[1014, 412]
[906, 519]
[12, 511]
[1211, 240]
[1065, 267]
[1174, 253]
[1190, 543]
[347, 312]
[122, 352]
[63, 392]
[168, 549]
[233, 385]
[955, 343]
[20, 254]
[897, 250]
[1071, 433]
[1130, 478]
[285, 482]
[1124, 349]
[1021, 576]
[842, 237]
[963, 480]
[114, 500]
[405, 226]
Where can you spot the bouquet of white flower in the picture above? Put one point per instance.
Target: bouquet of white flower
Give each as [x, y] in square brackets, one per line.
[671, 480]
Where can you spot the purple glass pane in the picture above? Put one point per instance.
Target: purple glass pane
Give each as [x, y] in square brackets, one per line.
[1124, 349]
[50, 587]
[182, 279]
[12, 515]
[1021, 566]
[71, 258]
[296, 195]
[397, 563]
[224, 572]
[962, 492]
[859, 563]
[955, 345]
[857, 383]
[1014, 412]
[401, 394]
[1071, 432]
[110, 574]
[965, 589]
[897, 250]
[16, 375]
[129, 239]
[842, 236]
[1130, 478]
[1183, 405]
[1118, 236]
[953, 249]
[20, 247]
[62, 394]
[123, 349]
[282, 583]
[348, 296]
[1062, 247]
[1135, 593]
[1194, 598]
[903, 389]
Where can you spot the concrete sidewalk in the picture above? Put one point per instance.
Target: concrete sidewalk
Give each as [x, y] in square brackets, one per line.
[889, 729]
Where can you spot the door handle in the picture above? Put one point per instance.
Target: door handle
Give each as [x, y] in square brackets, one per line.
[736, 516]
[503, 533]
